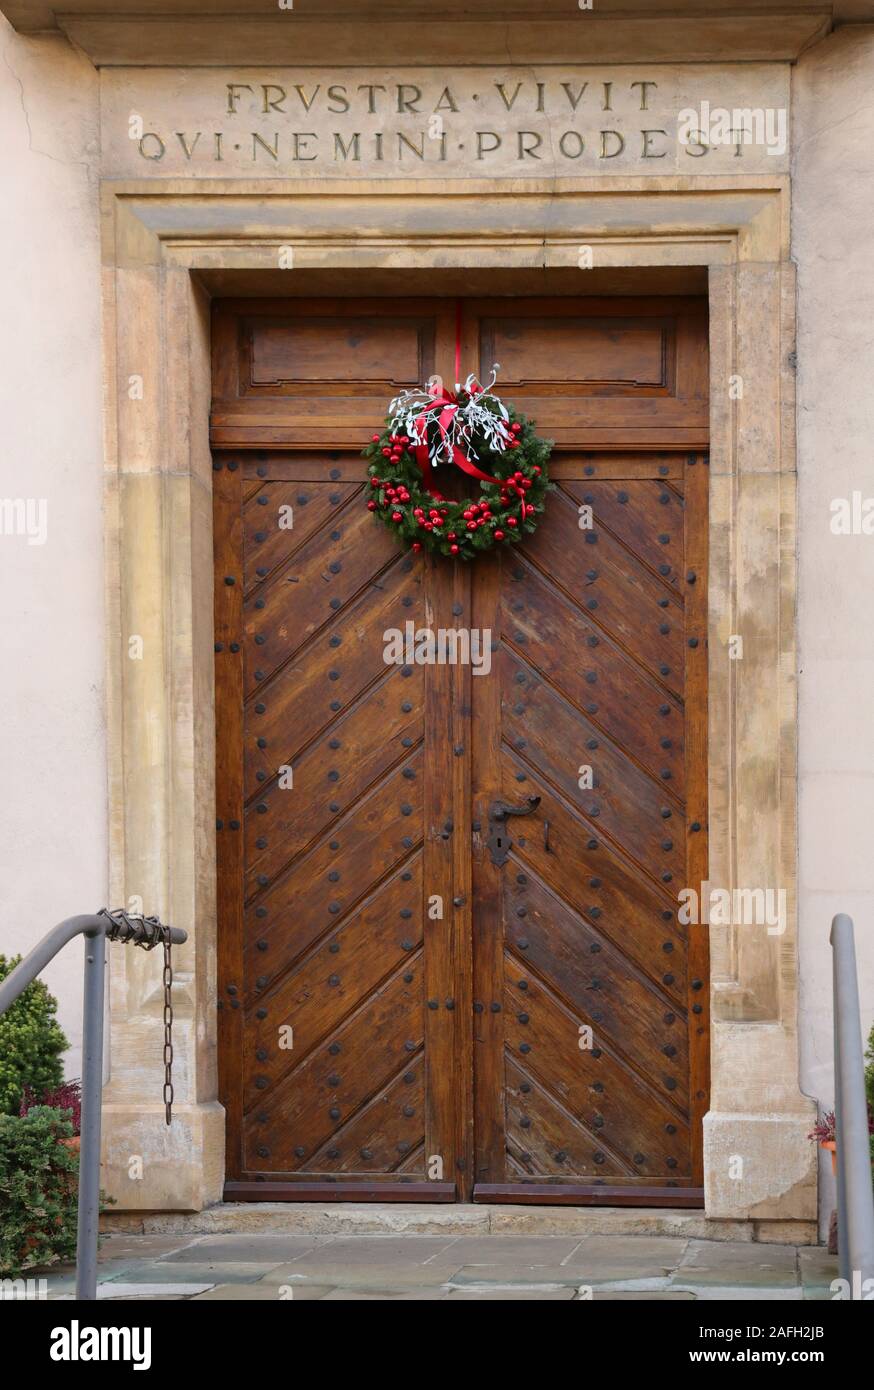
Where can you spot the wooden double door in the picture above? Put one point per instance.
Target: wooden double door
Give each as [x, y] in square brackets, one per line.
[451, 964]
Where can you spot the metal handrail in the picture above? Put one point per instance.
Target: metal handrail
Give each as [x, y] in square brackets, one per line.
[855, 1189]
[95, 927]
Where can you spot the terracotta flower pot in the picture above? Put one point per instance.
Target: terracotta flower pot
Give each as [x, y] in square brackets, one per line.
[833, 1150]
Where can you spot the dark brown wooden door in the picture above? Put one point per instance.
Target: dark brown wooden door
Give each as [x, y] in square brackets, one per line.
[420, 1000]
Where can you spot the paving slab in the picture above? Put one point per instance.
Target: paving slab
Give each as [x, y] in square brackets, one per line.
[264, 1293]
[205, 1273]
[424, 1295]
[653, 1296]
[738, 1264]
[143, 1290]
[725, 1293]
[125, 1247]
[505, 1252]
[511, 1295]
[374, 1259]
[604, 1259]
[816, 1269]
[268, 1250]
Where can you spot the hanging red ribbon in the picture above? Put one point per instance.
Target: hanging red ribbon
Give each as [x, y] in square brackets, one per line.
[446, 402]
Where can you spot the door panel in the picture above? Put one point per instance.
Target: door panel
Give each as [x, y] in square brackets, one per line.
[543, 1036]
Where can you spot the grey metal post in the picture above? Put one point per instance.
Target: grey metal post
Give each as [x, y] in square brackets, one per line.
[855, 1192]
[92, 1087]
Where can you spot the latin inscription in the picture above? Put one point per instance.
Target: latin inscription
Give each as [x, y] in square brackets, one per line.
[471, 123]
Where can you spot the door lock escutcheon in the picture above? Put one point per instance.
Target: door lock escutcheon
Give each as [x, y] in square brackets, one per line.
[498, 841]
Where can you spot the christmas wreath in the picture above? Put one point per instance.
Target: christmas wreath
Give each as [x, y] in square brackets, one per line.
[472, 429]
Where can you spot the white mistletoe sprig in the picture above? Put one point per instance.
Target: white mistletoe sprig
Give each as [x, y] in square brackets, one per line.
[476, 412]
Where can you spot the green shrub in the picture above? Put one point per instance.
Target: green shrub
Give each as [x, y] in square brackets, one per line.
[38, 1199]
[31, 1043]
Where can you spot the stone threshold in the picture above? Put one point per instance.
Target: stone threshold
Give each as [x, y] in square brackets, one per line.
[424, 1219]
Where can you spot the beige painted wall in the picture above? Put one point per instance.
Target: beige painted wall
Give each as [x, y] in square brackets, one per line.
[831, 241]
[52, 748]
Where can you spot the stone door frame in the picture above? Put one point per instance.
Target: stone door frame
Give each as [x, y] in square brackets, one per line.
[161, 241]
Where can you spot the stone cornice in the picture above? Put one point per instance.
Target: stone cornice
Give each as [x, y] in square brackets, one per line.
[215, 32]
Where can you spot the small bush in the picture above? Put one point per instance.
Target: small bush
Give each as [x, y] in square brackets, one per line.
[67, 1097]
[31, 1043]
[38, 1200]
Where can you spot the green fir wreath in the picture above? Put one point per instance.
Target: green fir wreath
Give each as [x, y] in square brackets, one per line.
[473, 429]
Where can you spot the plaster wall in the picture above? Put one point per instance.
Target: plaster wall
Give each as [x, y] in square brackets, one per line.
[53, 836]
[833, 207]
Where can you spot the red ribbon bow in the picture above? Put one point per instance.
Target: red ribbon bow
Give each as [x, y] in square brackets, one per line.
[446, 402]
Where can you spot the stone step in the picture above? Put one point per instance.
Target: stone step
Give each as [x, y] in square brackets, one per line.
[423, 1218]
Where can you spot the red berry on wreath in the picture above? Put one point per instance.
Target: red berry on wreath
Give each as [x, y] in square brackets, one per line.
[371, 506]
[537, 469]
[453, 550]
[396, 516]
[499, 535]
[450, 535]
[375, 438]
[511, 521]
[417, 546]
[471, 526]
[374, 482]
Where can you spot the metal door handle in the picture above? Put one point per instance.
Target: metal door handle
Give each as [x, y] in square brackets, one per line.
[499, 843]
[500, 810]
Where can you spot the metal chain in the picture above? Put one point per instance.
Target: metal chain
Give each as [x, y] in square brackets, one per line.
[147, 932]
[167, 978]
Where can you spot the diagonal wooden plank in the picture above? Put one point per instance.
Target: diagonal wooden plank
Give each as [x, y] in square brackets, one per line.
[332, 774]
[334, 978]
[600, 679]
[268, 540]
[339, 1077]
[567, 748]
[583, 869]
[619, 594]
[596, 980]
[306, 594]
[638, 512]
[545, 1139]
[592, 1083]
[384, 1135]
[331, 672]
[313, 897]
